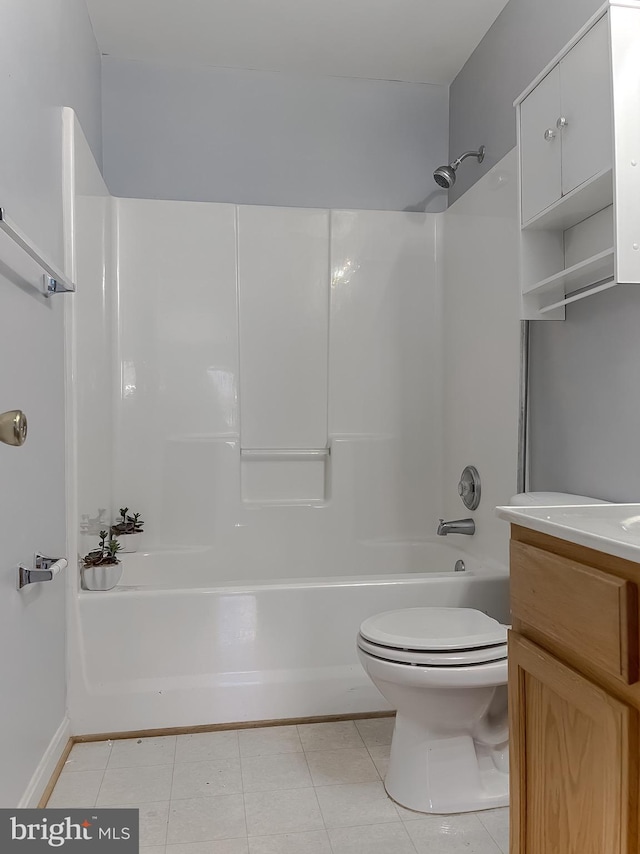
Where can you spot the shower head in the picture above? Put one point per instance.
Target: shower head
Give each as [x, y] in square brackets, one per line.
[445, 176]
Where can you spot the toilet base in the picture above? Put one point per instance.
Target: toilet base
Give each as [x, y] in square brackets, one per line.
[445, 774]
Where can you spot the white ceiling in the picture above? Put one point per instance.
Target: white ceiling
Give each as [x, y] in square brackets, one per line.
[424, 41]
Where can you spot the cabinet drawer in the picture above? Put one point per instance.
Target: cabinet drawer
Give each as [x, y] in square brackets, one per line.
[586, 611]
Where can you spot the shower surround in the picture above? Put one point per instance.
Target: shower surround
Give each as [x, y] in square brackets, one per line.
[250, 341]
[265, 386]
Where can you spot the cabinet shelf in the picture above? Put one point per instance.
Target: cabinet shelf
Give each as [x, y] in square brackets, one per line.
[588, 272]
[592, 196]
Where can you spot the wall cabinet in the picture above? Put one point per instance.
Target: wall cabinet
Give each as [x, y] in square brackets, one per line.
[574, 698]
[565, 124]
[579, 138]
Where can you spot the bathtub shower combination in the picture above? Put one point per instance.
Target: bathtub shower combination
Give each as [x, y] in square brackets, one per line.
[265, 386]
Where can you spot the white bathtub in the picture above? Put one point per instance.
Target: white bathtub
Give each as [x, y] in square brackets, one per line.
[163, 650]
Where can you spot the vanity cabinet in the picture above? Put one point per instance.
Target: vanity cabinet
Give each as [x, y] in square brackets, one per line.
[579, 152]
[572, 771]
[574, 699]
[565, 124]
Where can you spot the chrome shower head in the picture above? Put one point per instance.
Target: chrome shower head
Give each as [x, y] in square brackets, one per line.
[445, 176]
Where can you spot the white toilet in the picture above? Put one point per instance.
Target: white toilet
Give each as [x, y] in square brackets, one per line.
[445, 671]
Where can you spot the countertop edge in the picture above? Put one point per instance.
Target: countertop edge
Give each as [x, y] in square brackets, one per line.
[606, 545]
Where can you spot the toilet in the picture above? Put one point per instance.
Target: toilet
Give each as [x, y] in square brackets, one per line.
[445, 672]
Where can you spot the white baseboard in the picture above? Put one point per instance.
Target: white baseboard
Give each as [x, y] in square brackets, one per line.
[46, 766]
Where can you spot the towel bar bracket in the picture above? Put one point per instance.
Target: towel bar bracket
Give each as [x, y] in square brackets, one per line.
[53, 280]
[52, 286]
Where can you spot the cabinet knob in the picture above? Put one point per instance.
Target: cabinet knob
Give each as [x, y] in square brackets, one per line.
[549, 134]
[561, 123]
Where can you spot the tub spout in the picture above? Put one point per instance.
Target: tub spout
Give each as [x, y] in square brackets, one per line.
[459, 526]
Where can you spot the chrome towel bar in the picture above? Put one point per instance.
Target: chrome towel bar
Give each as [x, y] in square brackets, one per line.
[53, 281]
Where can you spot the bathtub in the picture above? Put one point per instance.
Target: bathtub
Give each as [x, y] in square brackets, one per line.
[186, 654]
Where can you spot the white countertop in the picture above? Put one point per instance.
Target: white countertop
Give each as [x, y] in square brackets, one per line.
[610, 528]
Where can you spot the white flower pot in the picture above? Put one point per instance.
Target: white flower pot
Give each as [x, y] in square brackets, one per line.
[129, 543]
[101, 577]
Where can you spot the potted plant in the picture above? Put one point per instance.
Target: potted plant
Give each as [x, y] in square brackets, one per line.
[129, 527]
[101, 568]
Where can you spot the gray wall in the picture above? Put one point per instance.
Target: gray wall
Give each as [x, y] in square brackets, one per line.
[48, 58]
[585, 407]
[585, 398]
[524, 38]
[252, 137]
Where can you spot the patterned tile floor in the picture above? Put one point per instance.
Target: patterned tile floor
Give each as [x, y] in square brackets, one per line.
[308, 789]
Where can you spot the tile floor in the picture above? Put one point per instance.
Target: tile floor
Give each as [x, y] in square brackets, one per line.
[308, 789]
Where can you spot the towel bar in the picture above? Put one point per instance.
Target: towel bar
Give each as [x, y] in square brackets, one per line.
[53, 281]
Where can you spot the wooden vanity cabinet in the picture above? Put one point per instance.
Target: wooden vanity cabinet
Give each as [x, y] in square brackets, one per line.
[574, 699]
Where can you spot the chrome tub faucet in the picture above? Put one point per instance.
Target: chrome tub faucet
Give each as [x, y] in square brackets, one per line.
[459, 526]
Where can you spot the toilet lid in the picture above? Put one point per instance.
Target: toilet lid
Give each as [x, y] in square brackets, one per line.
[449, 658]
[434, 629]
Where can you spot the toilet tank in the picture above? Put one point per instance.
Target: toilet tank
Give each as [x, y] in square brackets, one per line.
[551, 499]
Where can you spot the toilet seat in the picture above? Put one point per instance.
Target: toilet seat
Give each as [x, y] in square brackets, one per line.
[430, 658]
[434, 630]
[491, 673]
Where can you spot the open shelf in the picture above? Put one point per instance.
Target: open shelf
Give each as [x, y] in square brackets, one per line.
[578, 295]
[588, 272]
[592, 196]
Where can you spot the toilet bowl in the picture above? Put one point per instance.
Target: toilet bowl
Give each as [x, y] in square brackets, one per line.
[445, 671]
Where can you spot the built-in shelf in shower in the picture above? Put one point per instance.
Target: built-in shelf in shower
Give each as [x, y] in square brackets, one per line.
[278, 477]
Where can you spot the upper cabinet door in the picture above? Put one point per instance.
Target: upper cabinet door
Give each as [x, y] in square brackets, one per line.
[540, 142]
[585, 84]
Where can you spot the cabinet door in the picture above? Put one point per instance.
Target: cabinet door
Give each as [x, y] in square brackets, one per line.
[540, 146]
[585, 86]
[573, 760]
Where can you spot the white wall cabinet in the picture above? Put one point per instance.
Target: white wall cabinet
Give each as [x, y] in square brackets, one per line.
[565, 124]
[579, 138]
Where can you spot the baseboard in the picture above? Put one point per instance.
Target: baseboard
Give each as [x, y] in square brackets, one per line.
[46, 775]
[190, 730]
[49, 767]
